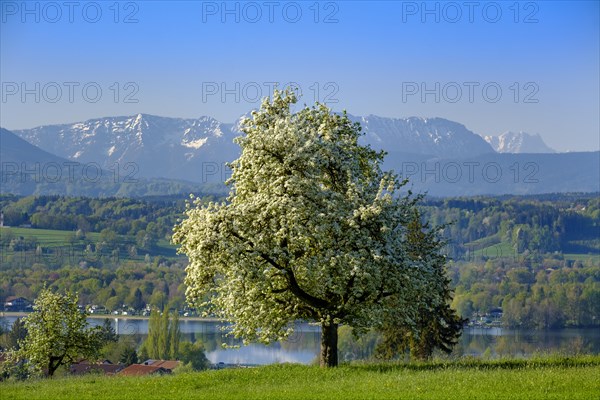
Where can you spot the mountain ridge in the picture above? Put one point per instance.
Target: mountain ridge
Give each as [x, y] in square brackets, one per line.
[518, 142]
[439, 155]
[183, 148]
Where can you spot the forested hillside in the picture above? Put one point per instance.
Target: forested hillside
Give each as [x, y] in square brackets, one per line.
[536, 258]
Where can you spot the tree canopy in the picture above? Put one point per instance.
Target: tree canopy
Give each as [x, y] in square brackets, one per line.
[57, 334]
[436, 327]
[163, 336]
[313, 229]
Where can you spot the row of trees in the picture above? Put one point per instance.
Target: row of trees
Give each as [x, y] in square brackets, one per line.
[135, 284]
[164, 342]
[540, 224]
[566, 291]
[543, 295]
[119, 215]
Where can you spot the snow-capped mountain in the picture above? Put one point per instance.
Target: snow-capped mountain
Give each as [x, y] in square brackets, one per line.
[192, 149]
[438, 156]
[196, 149]
[426, 136]
[521, 142]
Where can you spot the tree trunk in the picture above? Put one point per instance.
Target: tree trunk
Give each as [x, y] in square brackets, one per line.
[52, 366]
[329, 344]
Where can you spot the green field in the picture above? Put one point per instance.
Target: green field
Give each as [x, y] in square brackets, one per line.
[482, 248]
[49, 238]
[498, 250]
[582, 257]
[46, 237]
[556, 378]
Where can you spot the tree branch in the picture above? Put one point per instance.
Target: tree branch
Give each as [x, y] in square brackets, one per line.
[294, 287]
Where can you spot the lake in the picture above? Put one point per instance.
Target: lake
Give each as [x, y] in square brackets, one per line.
[303, 346]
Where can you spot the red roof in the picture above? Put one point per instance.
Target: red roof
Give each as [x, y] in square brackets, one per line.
[166, 364]
[141, 369]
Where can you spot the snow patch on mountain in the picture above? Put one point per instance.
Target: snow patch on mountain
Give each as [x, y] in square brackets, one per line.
[195, 144]
[518, 142]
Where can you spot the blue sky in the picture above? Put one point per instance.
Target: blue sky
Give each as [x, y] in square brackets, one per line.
[497, 66]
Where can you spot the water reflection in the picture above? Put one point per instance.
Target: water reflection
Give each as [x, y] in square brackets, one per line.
[259, 354]
[303, 345]
[495, 342]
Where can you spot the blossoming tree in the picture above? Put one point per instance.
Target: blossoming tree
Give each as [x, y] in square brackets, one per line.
[312, 230]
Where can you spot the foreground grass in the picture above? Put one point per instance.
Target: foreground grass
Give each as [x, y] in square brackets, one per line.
[556, 378]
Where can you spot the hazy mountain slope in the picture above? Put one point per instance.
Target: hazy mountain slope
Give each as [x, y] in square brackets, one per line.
[432, 136]
[521, 142]
[26, 169]
[13, 149]
[501, 173]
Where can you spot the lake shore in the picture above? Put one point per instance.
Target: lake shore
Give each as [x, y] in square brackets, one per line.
[8, 314]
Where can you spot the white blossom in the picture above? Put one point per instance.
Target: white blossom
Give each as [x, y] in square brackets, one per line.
[312, 230]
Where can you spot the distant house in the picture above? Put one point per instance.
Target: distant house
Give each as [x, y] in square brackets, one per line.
[141, 369]
[166, 364]
[17, 304]
[496, 312]
[95, 309]
[104, 367]
[150, 367]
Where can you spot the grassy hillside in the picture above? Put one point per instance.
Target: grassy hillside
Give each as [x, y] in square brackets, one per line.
[484, 248]
[52, 238]
[46, 237]
[563, 378]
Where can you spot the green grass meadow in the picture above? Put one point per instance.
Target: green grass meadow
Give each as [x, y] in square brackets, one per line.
[49, 238]
[46, 237]
[554, 378]
[506, 250]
